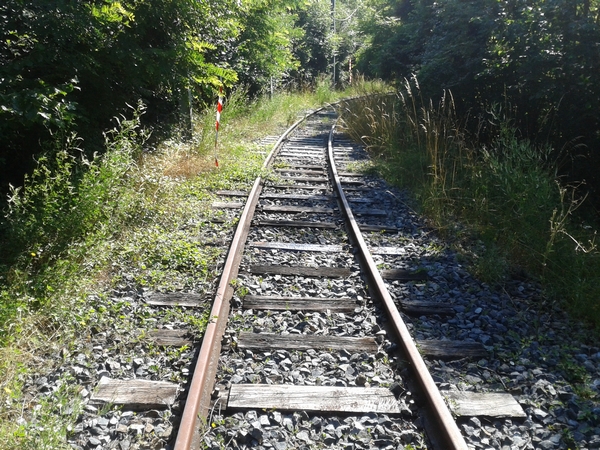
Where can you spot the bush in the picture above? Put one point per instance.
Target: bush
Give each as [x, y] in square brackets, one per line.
[504, 198]
[67, 200]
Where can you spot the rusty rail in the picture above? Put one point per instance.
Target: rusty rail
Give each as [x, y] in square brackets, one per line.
[197, 406]
[199, 394]
[451, 437]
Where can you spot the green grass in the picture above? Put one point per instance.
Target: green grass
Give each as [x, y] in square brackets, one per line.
[502, 202]
[80, 228]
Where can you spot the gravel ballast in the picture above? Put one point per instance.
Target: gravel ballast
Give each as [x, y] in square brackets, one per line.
[548, 363]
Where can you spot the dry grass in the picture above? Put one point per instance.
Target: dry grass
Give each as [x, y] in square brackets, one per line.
[153, 194]
[503, 191]
[180, 163]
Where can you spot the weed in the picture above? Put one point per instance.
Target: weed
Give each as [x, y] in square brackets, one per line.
[490, 265]
[198, 323]
[43, 424]
[504, 193]
[324, 93]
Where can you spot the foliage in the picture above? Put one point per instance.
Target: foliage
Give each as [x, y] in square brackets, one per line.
[59, 206]
[329, 35]
[49, 421]
[313, 49]
[347, 40]
[516, 216]
[263, 48]
[73, 66]
[540, 57]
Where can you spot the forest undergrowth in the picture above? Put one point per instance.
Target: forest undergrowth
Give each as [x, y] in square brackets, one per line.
[500, 198]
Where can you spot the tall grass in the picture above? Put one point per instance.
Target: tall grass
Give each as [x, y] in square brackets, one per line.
[502, 197]
[66, 201]
[52, 230]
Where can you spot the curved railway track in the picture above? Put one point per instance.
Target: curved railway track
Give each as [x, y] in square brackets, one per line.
[336, 320]
[303, 236]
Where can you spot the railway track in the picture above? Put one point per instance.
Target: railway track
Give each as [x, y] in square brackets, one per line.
[339, 322]
[315, 339]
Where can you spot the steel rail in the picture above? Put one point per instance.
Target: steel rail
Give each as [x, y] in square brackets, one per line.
[451, 437]
[197, 404]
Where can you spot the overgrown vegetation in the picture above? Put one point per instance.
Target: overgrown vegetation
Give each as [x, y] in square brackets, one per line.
[90, 211]
[501, 196]
[80, 228]
[73, 66]
[539, 58]
[499, 158]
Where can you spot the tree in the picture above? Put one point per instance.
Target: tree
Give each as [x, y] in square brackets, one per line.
[76, 65]
[313, 49]
[263, 48]
[541, 57]
[348, 39]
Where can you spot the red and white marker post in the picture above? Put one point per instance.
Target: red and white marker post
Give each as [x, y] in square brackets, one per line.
[219, 109]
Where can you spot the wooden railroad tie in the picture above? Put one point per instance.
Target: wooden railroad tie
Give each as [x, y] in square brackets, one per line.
[370, 212]
[487, 404]
[315, 172]
[302, 187]
[300, 156]
[296, 224]
[295, 209]
[272, 341]
[403, 275]
[377, 228]
[419, 308]
[302, 151]
[390, 251]
[278, 303]
[173, 338]
[302, 271]
[359, 200]
[451, 349]
[227, 205]
[291, 246]
[230, 193]
[309, 179]
[313, 145]
[353, 182]
[302, 166]
[137, 395]
[278, 196]
[313, 398]
[177, 299]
